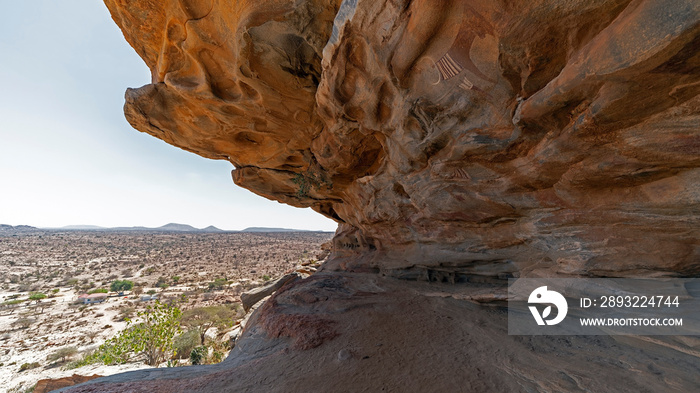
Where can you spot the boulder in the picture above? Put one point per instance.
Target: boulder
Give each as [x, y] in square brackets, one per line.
[249, 298]
[47, 385]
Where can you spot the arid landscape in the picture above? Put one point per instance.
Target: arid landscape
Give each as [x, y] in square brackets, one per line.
[207, 268]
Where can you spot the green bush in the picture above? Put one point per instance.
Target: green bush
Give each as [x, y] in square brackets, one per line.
[152, 337]
[121, 285]
[98, 290]
[28, 366]
[199, 355]
[202, 319]
[218, 284]
[185, 343]
[12, 302]
[36, 296]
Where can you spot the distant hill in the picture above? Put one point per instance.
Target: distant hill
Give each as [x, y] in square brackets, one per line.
[263, 229]
[121, 229]
[4, 228]
[171, 227]
[82, 228]
[177, 228]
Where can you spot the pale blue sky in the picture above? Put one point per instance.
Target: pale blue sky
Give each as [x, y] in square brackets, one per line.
[68, 156]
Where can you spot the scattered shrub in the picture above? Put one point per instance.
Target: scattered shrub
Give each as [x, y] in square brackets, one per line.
[98, 290]
[28, 366]
[12, 302]
[198, 355]
[162, 282]
[84, 360]
[91, 334]
[62, 354]
[218, 284]
[24, 322]
[36, 296]
[124, 313]
[185, 343]
[202, 319]
[216, 357]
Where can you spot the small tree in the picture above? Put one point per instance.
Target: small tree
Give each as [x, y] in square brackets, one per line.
[121, 286]
[153, 337]
[205, 318]
[36, 296]
[63, 354]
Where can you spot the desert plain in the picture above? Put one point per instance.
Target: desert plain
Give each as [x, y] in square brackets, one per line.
[207, 268]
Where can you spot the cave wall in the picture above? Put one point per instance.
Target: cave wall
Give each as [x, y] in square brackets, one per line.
[503, 138]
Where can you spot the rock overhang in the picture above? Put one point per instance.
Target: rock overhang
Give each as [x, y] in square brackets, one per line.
[499, 138]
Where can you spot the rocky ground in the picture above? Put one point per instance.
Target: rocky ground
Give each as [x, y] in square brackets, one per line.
[361, 332]
[65, 264]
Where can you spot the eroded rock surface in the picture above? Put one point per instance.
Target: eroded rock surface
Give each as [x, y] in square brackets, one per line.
[524, 137]
[361, 332]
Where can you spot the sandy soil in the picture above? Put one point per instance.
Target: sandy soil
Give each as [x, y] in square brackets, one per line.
[62, 323]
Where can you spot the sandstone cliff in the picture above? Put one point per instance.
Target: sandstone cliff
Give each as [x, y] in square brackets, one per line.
[524, 137]
[449, 139]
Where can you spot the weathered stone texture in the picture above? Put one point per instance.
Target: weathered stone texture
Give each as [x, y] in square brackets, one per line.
[537, 137]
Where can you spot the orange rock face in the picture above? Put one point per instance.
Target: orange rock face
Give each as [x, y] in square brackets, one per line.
[47, 385]
[537, 137]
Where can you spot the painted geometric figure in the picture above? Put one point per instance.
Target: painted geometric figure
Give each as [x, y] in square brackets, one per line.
[458, 57]
[466, 84]
[448, 67]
